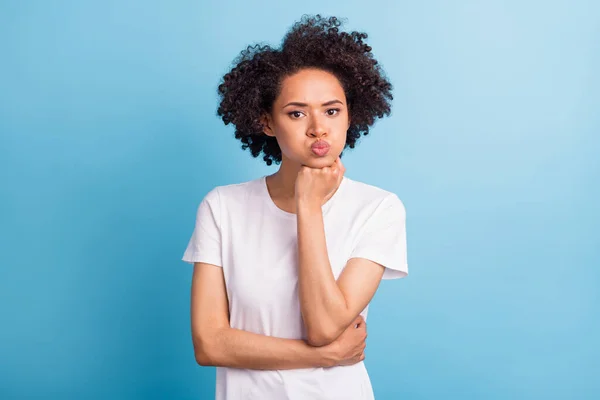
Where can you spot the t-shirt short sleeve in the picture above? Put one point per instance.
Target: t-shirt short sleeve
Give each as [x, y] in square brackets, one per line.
[205, 243]
[383, 239]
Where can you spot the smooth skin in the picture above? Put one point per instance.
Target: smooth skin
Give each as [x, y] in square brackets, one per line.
[310, 106]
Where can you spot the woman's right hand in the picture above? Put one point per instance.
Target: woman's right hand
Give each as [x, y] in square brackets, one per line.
[349, 347]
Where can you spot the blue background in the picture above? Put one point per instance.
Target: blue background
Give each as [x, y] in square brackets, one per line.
[109, 140]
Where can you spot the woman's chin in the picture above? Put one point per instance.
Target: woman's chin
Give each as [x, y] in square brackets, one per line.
[320, 162]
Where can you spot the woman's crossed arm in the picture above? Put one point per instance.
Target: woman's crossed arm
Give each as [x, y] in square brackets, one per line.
[217, 344]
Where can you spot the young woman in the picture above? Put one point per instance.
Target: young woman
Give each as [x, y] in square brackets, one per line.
[285, 265]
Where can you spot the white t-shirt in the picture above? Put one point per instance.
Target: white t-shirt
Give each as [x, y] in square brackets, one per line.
[239, 228]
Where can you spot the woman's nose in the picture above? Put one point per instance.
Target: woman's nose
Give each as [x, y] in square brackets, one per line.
[316, 129]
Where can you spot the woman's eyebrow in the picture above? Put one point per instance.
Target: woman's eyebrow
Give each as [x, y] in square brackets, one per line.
[328, 103]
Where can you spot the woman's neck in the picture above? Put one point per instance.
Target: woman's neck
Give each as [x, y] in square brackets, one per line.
[282, 184]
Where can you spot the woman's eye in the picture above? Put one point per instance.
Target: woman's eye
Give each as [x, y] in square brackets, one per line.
[297, 114]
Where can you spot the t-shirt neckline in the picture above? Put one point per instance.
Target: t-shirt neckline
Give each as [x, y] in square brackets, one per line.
[271, 204]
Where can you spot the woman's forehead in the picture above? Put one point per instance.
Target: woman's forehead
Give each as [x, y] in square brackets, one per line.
[311, 86]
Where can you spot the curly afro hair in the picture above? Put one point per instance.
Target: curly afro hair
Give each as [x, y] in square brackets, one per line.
[249, 90]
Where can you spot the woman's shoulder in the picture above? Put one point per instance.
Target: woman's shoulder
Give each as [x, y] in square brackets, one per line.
[369, 193]
[368, 199]
[235, 191]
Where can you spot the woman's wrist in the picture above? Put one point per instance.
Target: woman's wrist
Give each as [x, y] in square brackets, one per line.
[327, 355]
[308, 204]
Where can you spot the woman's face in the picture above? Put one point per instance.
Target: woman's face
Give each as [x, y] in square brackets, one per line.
[310, 110]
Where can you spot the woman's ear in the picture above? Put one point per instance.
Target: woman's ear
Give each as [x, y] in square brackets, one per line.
[265, 121]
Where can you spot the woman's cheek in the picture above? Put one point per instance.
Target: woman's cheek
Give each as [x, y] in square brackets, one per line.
[292, 148]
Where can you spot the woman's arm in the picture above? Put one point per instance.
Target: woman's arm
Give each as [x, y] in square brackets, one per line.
[329, 306]
[217, 344]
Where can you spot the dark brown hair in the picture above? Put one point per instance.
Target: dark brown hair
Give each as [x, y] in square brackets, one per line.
[249, 90]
